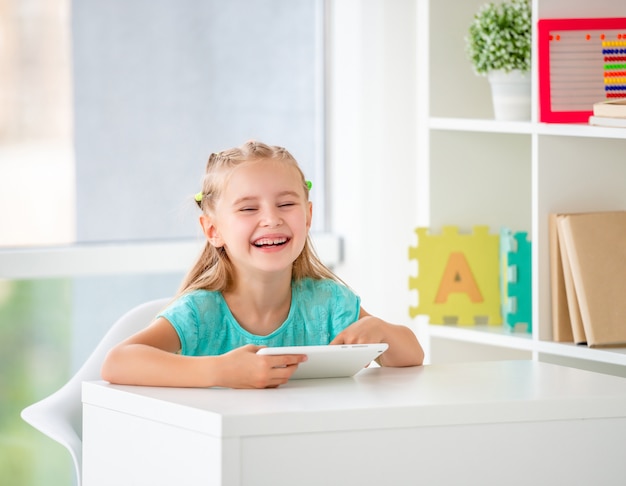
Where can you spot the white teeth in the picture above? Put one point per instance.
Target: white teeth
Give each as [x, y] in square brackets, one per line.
[270, 241]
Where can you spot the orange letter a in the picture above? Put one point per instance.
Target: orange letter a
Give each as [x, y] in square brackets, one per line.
[457, 277]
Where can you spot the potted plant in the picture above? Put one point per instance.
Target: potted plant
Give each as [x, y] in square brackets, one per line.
[499, 46]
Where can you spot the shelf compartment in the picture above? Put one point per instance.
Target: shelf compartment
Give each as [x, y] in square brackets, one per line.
[502, 336]
[481, 125]
[581, 130]
[484, 334]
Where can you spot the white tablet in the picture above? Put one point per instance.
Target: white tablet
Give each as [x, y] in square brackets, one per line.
[332, 361]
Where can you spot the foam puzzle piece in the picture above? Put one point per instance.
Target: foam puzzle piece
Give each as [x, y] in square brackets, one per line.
[457, 276]
[507, 244]
[516, 278]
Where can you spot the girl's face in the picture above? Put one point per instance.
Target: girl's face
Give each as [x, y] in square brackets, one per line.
[262, 217]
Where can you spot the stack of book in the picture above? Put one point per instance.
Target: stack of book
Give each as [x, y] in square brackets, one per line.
[588, 277]
[610, 113]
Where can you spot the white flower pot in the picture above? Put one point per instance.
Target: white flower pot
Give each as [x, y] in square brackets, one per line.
[510, 94]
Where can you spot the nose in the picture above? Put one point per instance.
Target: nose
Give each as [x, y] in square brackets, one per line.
[271, 218]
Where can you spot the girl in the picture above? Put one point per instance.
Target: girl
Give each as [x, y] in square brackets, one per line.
[257, 283]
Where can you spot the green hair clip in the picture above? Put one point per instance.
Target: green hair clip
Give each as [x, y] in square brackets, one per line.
[309, 184]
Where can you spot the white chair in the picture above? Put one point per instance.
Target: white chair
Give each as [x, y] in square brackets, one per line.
[60, 415]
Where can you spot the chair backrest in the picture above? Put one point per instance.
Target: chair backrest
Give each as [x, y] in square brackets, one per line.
[59, 416]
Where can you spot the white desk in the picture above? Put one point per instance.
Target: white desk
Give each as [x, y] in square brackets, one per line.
[492, 423]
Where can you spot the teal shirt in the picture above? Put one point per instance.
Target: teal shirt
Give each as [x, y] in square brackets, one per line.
[320, 309]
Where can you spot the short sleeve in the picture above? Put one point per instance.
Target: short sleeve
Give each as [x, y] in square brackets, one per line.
[347, 307]
[182, 314]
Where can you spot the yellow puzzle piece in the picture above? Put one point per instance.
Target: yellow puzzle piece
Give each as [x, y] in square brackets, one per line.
[458, 276]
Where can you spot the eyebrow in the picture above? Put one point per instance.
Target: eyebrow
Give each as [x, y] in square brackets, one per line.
[254, 198]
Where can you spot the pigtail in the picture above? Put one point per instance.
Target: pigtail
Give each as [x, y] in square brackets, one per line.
[309, 265]
[212, 271]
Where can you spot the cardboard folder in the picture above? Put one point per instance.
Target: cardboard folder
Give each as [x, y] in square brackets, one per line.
[561, 323]
[594, 246]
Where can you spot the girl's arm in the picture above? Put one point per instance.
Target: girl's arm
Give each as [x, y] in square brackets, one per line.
[151, 358]
[404, 348]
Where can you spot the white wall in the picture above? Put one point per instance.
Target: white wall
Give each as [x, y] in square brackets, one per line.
[372, 148]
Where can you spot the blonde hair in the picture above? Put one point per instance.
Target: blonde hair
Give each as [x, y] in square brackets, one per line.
[213, 270]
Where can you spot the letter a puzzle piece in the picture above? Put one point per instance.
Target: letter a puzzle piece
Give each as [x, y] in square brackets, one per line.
[457, 276]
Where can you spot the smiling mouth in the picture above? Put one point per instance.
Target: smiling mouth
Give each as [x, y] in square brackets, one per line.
[270, 242]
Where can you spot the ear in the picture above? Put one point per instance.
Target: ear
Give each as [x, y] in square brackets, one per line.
[309, 215]
[210, 231]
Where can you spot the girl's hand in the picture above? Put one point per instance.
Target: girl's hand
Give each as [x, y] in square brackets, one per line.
[404, 348]
[243, 368]
[366, 330]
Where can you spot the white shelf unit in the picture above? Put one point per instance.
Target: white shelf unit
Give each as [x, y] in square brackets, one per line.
[474, 170]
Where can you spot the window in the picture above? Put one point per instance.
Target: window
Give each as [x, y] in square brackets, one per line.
[36, 160]
[160, 85]
[107, 113]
